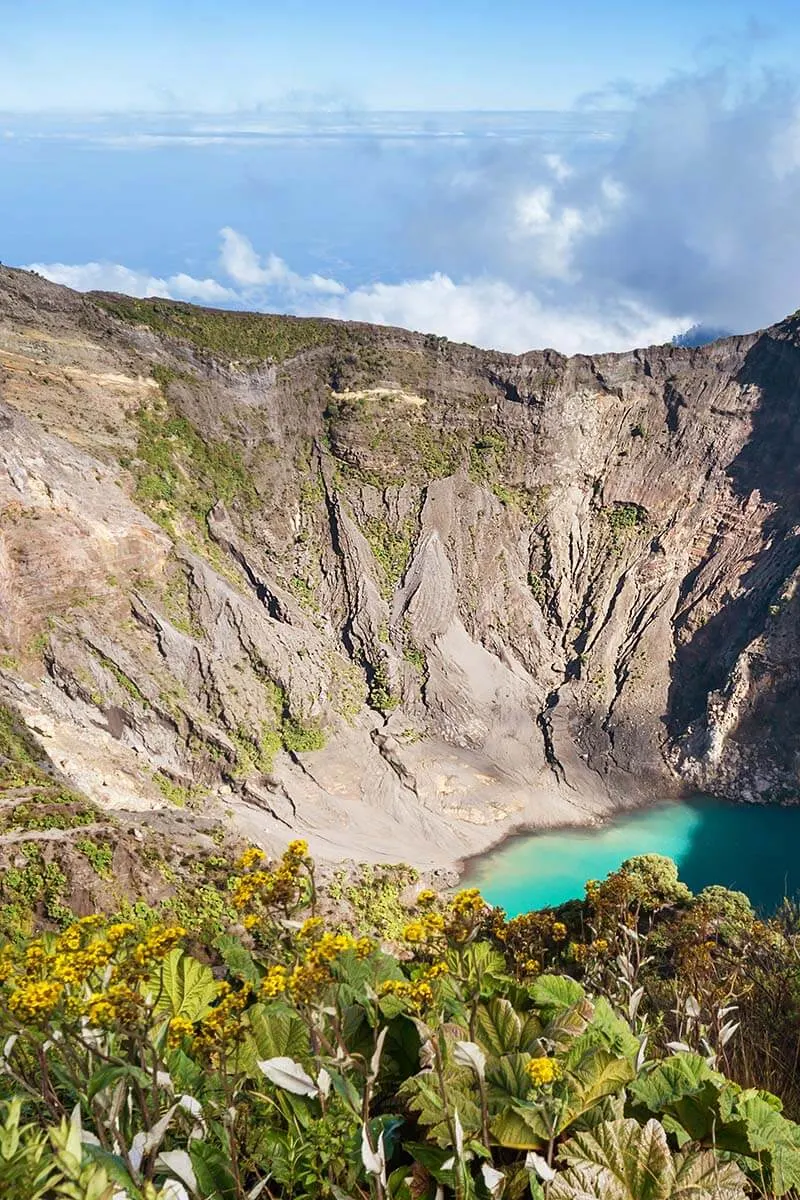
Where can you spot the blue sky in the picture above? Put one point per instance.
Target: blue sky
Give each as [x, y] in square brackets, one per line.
[515, 174]
[222, 55]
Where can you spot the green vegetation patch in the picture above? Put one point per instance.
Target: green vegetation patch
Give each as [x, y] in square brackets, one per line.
[258, 1035]
[625, 519]
[381, 439]
[179, 472]
[391, 549]
[231, 336]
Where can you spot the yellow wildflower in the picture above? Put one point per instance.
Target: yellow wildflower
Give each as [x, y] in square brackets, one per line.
[158, 943]
[307, 980]
[179, 1028]
[297, 849]
[310, 927]
[542, 1071]
[600, 945]
[364, 947]
[468, 902]
[426, 897]
[250, 857]
[559, 931]
[414, 932]
[531, 966]
[6, 962]
[35, 958]
[34, 1000]
[274, 982]
[437, 970]
[117, 933]
[250, 921]
[69, 940]
[99, 1010]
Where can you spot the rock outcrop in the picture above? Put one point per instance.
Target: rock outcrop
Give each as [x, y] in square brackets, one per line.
[391, 593]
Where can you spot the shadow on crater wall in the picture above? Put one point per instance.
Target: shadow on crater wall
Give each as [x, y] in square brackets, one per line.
[770, 464]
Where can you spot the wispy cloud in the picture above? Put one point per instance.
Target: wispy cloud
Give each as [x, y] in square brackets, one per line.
[482, 311]
[688, 218]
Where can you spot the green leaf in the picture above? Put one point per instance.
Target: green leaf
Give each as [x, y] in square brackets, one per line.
[114, 1167]
[767, 1135]
[507, 1079]
[107, 1076]
[702, 1176]
[423, 1096]
[598, 1074]
[497, 1027]
[556, 993]
[238, 959]
[274, 1031]
[514, 1121]
[513, 1128]
[622, 1160]
[215, 1179]
[186, 986]
[685, 1088]
[482, 968]
[613, 1029]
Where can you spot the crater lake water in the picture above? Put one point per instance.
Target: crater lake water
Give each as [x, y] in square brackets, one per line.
[753, 848]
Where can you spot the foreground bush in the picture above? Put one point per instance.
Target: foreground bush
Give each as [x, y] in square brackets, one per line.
[292, 1059]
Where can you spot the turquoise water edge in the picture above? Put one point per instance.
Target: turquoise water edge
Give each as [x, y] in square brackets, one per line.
[754, 848]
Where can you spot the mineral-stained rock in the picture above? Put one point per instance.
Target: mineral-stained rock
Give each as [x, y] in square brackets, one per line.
[390, 593]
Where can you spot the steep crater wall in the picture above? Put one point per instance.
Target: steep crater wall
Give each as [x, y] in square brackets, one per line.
[396, 594]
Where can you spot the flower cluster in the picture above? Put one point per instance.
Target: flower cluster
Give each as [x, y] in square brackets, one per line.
[542, 1071]
[530, 941]
[92, 970]
[222, 1024]
[425, 929]
[286, 886]
[417, 993]
[320, 950]
[33, 1001]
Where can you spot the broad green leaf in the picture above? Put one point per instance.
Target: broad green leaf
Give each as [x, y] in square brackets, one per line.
[184, 986]
[767, 1135]
[617, 1161]
[555, 993]
[356, 977]
[507, 1079]
[212, 1170]
[238, 959]
[273, 1030]
[622, 1160]
[700, 1175]
[599, 1074]
[513, 1128]
[514, 1121]
[483, 968]
[497, 1027]
[614, 1029]
[685, 1088]
[422, 1094]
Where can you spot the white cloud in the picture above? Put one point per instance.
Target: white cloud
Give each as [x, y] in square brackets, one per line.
[484, 312]
[113, 277]
[690, 218]
[240, 263]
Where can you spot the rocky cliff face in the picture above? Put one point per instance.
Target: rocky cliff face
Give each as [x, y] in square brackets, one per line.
[391, 593]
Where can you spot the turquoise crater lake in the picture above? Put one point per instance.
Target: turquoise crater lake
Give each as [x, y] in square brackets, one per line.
[753, 848]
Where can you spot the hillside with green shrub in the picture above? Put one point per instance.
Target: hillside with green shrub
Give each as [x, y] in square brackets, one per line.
[368, 1039]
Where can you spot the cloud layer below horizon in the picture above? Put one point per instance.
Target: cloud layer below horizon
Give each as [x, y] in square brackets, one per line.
[690, 219]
